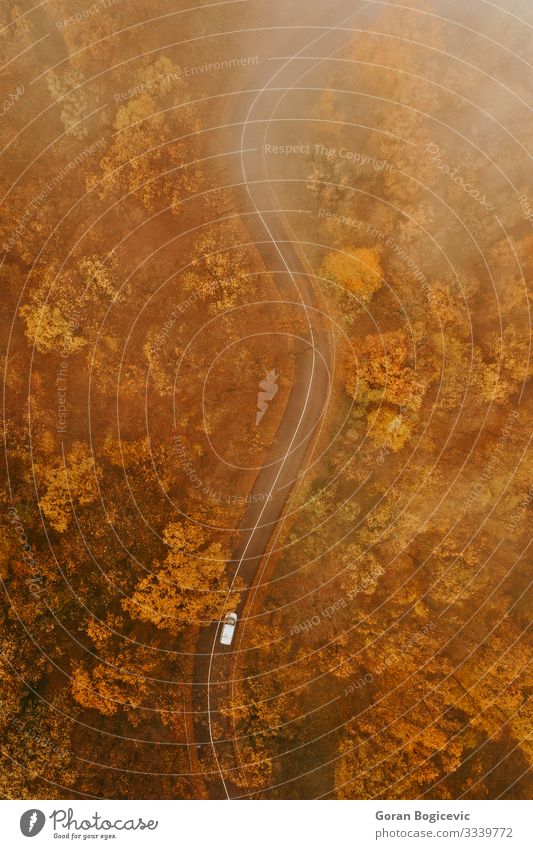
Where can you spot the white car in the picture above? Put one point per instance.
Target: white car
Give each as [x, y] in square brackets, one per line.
[228, 629]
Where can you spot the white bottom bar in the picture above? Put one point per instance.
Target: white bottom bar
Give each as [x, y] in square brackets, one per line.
[268, 825]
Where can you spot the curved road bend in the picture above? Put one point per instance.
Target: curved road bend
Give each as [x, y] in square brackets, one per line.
[251, 111]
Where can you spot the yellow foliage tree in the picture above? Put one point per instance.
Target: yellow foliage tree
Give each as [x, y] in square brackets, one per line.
[49, 329]
[381, 371]
[144, 157]
[190, 586]
[359, 271]
[115, 686]
[68, 484]
[388, 428]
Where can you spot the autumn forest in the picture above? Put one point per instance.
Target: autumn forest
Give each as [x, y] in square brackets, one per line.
[266, 349]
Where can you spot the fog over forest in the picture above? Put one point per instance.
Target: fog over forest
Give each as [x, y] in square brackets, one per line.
[266, 341]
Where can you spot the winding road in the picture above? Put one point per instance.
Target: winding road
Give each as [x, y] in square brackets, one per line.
[248, 114]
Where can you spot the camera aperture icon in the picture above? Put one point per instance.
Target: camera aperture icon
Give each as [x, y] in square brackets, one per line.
[267, 389]
[32, 822]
